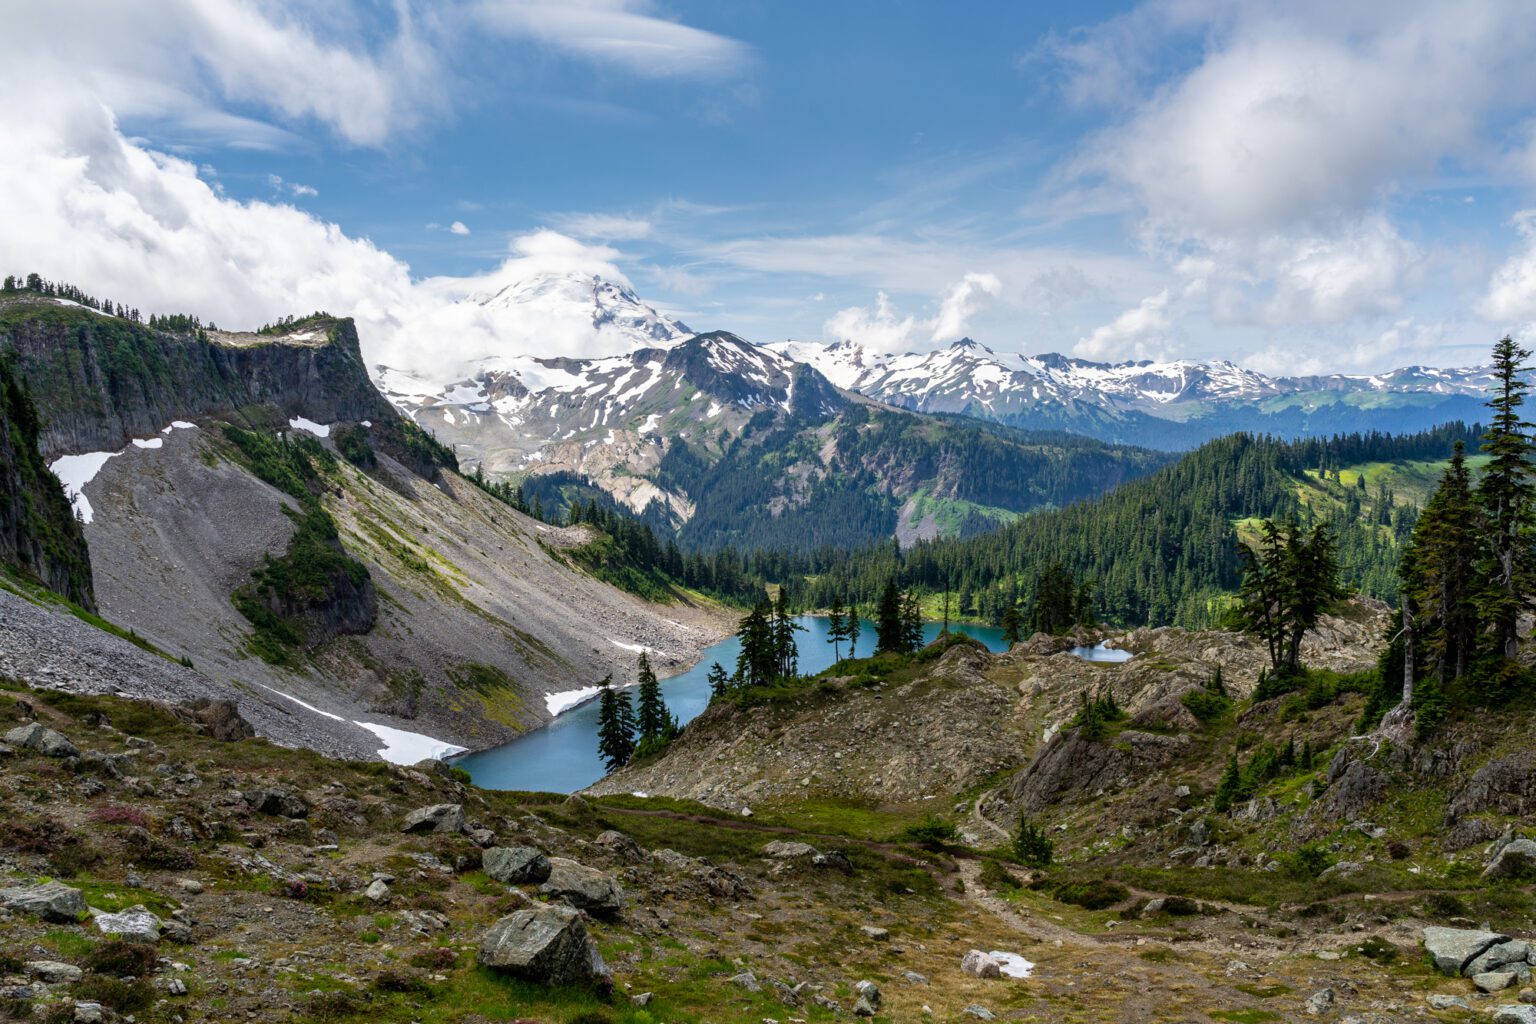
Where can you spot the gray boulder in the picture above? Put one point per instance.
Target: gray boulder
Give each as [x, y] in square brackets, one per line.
[621, 844]
[52, 972]
[38, 737]
[437, 818]
[1442, 1001]
[136, 924]
[981, 965]
[515, 865]
[780, 849]
[1452, 949]
[870, 991]
[1497, 956]
[1514, 1013]
[979, 1012]
[546, 944]
[1319, 1002]
[584, 888]
[50, 901]
[1515, 859]
[747, 980]
[282, 801]
[1493, 981]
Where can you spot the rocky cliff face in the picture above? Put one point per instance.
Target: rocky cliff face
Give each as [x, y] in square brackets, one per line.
[101, 380]
[39, 535]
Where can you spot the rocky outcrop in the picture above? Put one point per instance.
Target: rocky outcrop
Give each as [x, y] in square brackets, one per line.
[1505, 784]
[547, 944]
[51, 901]
[1073, 763]
[515, 865]
[584, 888]
[39, 535]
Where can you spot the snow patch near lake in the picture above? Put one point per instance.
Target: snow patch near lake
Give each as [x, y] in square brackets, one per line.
[559, 702]
[637, 648]
[318, 429]
[74, 472]
[179, 425]
[1012, 965]
[154, 442]
[400, 746]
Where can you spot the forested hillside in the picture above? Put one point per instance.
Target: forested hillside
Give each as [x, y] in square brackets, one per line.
[1164, 549]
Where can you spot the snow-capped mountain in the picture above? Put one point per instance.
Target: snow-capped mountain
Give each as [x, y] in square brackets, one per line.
[611, 419]
[1173, 404]
[575, 298]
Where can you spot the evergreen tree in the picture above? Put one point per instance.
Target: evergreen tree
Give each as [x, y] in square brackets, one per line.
[1032, 845]
[615, 726]
[756, 663]
[651, 716]
[837, 629]
[786, 653]
[890, 637]
[1287, 586]
[1505, 495]
[1439, 575]
[911, 623]
[719, 682]
[852, 626]
[1013, 625]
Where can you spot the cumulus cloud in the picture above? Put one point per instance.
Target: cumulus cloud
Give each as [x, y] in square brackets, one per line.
[882, 328]
[1511, 294]
[606, 226]
[963, 302]
[1134, 333]
[458, 228]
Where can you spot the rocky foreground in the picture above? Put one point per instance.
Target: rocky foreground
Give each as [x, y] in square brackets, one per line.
[162, 864]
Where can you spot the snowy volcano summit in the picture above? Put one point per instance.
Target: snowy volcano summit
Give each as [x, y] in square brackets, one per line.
[575, 299]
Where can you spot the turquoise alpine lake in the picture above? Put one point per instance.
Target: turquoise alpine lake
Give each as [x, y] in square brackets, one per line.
[562, 756]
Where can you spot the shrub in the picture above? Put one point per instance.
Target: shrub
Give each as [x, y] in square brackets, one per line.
[1379, 949]
[1307, 861]
[1031, 845]
[115, 993]
[394, 980]
[1206, 705]
[296, 889]
[996, 877]
[1093, 894]
[438, 958]
[353, 443]
[118, 814]
[122, 959]
[932, 832]
[335, 1005]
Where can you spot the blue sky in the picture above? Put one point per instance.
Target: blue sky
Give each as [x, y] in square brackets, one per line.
[1296, 186]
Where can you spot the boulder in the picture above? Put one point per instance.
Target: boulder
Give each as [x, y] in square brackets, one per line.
[1319, 1002]
[1515, 859]
[38, 737]
[50, 901]
[436, 818]
[981, 965]
[1496, 957]
[218, 719]
[584, 888]
[779, 849]
[515, 865]
[1514, 1013]
[545, 944]
[51, 972]
[747, 980]
[282, 801]
[136, 924]
[868, 990]
[1442, 1001]
[377, 891]
[863, 1007]
[979, 1012]
[1452, 949]
[621, 844]
[1493, 981]
[874, 933]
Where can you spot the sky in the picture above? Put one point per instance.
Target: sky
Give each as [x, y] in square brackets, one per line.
[1298, 186]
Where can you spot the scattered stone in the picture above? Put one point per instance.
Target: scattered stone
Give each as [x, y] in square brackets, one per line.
[748, 981]
[584, 888]
[1516, 951]
[51, 901]
[282, 801]
[1515, 859]
[863, 1008]
[546, 944]
[1319, 1002]
[877, 934]
[870, 991]
[781, 849]
[436, 818]
[51, 972]
[38, 737]
[89, 1013]
[515, 865]
[175, 987]
[1442, 1001]
[377, 891]
[1514, 1013]
[621, 844]
[1452, 949]
[980, 965]
[643, 999]
[482, 837]
[189, 885]
[1493, 981]
[913, 978]
[136, 924]
[979, 1012]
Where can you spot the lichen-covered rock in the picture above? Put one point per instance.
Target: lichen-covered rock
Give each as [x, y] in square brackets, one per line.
[50, 901]
[136, 924]
[1514, 859]
[1452, 949]
[981, 965]
[282, 801]
[38, 737]
[515, 865]
[436, 818]
[584, 888]
[546, 944]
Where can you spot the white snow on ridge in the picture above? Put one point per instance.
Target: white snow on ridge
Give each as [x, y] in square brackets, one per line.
[318, 429]
[154, 442]
[74, 472]
[558, 703]
[179, 425]
[402, 747]
[637, 648]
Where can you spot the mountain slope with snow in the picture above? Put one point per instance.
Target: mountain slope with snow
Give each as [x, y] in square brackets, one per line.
[1171, 404]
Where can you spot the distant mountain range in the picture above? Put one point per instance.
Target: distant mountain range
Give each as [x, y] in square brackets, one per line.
[1170, 405]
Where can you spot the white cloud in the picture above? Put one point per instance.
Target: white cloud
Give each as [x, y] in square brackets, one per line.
[1134, 333]
[1511, 294]
[883, 329]
[458, 228]
[963, 302]
[606, 226]
[619, 32]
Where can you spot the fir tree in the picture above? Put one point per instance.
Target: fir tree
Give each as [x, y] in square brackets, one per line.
[719, 682]
[615, 726]
[837, 629]
[889, 636]
[911, 623]
[756, 662]
[1013, 625]
[1505, 495]
[1287, 586]
[651, 715]
[786, 652]
[1031, 845]
[1438, 576]
[852, 626]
